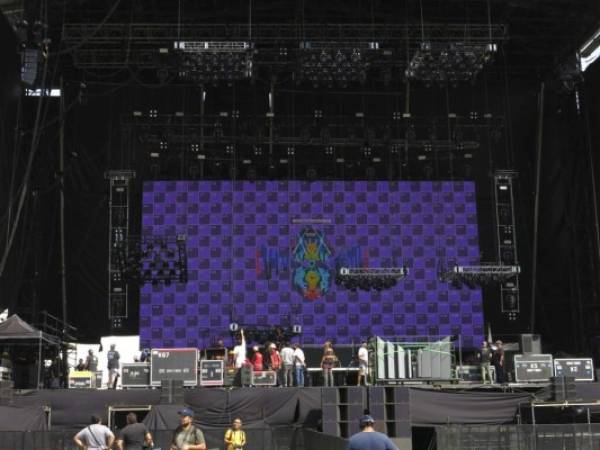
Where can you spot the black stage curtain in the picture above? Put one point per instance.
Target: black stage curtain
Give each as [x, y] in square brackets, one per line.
[22, 418]
[72, 408]
[263, 408]
[438, 407]
[214, 407]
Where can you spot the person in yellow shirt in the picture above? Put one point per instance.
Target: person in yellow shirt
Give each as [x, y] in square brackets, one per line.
[235, 438]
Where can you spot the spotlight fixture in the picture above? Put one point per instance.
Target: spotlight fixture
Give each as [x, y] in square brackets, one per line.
[589, 51]
[214, 61]
[335, 63]
[441, 63]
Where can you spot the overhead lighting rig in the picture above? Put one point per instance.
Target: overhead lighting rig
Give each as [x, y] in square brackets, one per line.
[153, 259]
[335, 63]
[453, 63]
[214, 61]
[367, 278]
[481, 275]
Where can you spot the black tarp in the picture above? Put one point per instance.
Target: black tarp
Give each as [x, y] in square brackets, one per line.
[23, 418]
[72, 408]
[214, 407]
[258, 407]
[16, 329]
[588, 392]
[268, 408]
[428, 407]
[163, 417]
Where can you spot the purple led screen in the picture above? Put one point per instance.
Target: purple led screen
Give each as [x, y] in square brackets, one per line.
[264, 253]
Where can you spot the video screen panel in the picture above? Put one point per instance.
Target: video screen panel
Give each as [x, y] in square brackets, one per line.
[265, 253]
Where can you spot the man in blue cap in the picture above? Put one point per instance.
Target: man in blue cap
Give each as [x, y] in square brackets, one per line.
[368, 438]
[187, 436]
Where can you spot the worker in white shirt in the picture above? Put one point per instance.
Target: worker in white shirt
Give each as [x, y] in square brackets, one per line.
[239, 351]
[287, 358]
[363, 364]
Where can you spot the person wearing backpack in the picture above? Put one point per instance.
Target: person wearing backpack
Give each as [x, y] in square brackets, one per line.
[187, 436]
[235, 437]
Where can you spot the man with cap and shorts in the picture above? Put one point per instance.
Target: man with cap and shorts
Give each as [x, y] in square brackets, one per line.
[368, 438]
[187, 436]
[95, 436]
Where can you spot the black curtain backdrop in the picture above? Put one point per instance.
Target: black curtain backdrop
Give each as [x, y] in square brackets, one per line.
[268, 409]
[23, 418]
[432, 407]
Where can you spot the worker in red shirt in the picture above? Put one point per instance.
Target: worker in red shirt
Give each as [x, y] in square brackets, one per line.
[257, 359]
[275, 362]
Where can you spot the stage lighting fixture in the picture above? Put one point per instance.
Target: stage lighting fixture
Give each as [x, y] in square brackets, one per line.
[335, 63]
[214, 61]
[589, 51]
[442, 63]
[473, 276]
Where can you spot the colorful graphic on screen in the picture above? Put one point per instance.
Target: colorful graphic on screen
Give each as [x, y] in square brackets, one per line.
[312, 275]
[266, 253]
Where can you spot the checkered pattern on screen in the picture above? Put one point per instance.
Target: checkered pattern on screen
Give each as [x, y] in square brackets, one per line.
[227, 224]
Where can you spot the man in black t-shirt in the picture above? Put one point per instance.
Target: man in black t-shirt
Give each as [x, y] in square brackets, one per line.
[498, 361]
[91, 362]
[113, 366]
[134, 436]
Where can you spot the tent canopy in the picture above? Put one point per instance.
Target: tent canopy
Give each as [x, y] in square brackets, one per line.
[15, 328]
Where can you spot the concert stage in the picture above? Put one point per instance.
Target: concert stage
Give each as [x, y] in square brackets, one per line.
[278, 417]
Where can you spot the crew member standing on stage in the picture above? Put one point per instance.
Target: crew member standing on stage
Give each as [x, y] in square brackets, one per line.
[327, 363]
[274, 363]
[300, 364]
[363, 364]
[80, 365]
[287, 358]
[239, 351]
[113, 365]
[498, 361]
[235, 437]
[91, 361]
[145, 355]
[485, 356]
[257, 359]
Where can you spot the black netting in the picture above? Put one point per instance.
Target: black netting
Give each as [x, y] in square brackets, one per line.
[519, 437]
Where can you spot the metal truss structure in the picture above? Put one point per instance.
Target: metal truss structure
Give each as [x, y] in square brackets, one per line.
[147, 45]
[478, 275]
[223, 136]
[506, 239]
[118, 209]
[394, 272]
